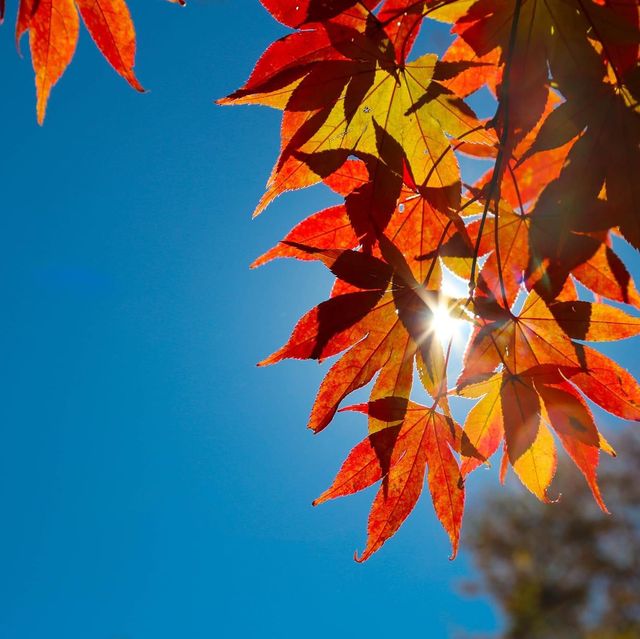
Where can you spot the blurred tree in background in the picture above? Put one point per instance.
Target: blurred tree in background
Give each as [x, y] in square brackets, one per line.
[569, 572]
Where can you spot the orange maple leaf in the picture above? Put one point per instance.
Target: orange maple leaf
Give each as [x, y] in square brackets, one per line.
[53, 27]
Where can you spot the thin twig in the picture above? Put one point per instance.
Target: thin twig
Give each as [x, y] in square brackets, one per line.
[497, 168]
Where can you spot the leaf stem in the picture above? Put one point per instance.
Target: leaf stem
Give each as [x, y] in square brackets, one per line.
[503, 106]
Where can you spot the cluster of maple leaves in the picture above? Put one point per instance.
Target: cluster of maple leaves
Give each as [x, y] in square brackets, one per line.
[386, 131]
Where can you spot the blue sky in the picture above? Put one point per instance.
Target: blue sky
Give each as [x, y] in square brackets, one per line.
[154, 483]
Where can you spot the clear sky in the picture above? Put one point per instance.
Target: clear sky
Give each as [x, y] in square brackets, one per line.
[154, 483]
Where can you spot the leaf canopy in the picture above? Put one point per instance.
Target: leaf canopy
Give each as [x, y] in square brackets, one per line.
[387, 132]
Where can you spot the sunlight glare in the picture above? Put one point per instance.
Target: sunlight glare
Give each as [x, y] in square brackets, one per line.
[443, 325]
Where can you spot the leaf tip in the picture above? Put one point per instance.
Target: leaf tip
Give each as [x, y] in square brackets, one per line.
[41, 110]
[133, 81]
[272, 359]
[321, 499]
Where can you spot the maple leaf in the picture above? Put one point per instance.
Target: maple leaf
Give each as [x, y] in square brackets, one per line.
[537, 38]
[419, 439]
[347, 90]
[520, 410]
[384, 320]
[544, 335]
[53, 27]
[604, 157]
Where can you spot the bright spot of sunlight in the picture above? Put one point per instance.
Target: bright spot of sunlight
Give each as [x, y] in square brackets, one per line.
[443, 324]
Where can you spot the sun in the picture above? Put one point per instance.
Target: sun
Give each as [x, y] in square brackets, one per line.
[447, 319]
[443, 324]
[447, 328]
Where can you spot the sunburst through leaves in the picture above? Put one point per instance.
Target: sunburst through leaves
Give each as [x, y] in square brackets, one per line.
[386, 129]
